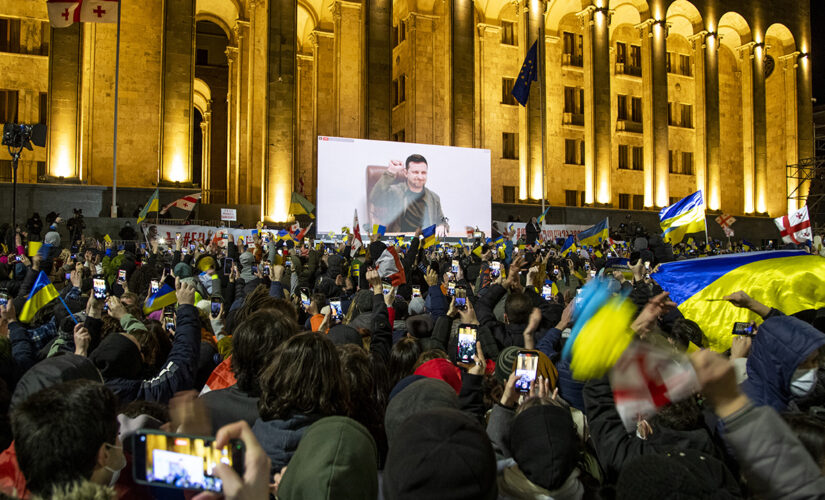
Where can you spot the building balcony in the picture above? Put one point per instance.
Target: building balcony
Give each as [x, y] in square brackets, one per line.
[573, 119]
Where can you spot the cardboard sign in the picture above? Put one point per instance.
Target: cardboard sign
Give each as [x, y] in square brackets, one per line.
[229, 214]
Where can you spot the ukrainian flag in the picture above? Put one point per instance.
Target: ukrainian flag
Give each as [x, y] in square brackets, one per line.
[165, 296]
[595, 235]
[151, 206]
[569, 246]
[543, 216]
[300, 205]
[379, 229]
[790, 281]
[685, 216]
[747, 245]
[42, 293]
[429, 236]
[499, 240]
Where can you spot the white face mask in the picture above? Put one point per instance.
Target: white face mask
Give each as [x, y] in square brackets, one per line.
[803, 381]
[116, 472]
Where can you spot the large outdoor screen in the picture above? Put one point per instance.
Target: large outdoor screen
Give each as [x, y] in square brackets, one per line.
[402, 186]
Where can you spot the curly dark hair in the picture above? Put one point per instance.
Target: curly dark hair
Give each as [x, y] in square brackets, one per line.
[304, 376]
[260, 299]
[254, 342]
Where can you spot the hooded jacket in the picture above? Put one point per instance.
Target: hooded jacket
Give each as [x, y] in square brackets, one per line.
[782, 343]
[177, 374]
[280, 438]
[337, 458]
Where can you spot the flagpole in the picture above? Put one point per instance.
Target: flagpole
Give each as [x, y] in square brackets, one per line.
[117, 84]
[543, 101]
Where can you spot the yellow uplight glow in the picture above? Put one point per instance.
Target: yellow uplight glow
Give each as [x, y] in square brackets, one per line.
[63, 167]
[177, 173]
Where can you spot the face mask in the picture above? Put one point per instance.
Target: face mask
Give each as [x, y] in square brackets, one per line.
[803, 382]
[116, 472]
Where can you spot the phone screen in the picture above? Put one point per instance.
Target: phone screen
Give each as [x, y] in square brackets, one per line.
[155, 284]
[169, 322]
[467, 335]
[182, 462]
[336, 311]
[416, 291]
[266, 268]
[254, 269]
[742, 328]
[4, 298]
[461, 298]
[495, 269]
[526, 365]
[68, 276]
[215, 307]
[451, 289]
[304, 299]
[121, 275]
[386, 288]
[454, 267]
[99, 286]
[547, 292]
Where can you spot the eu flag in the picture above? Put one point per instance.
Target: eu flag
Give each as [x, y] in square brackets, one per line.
[529, 73]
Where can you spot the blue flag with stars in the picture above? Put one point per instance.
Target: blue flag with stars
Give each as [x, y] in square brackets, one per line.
[529, 73]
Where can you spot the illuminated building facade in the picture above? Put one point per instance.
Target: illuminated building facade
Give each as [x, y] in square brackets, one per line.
[646, 101]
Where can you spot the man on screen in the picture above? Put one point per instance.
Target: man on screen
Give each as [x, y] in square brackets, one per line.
[408, 205]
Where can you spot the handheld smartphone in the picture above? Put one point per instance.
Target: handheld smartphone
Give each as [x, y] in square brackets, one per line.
[454, 266]
[177, 236]
[254, 268]
[555, 270]
[215, 306]
[467, 335]
[304, 299]
[121, 275]
[386, 288]
[587, 266]
[416, 291]
[4, 298]
[451, 289]
[225, 236]
[288, 264]
[592, 273]
[68, 276]
[266, 268]
[527, 363]
[461, 298]
[155, 286]
[99, 287]
[450, 276]
[227, 265]
[18, 258]
[647, 265]
[169, 321]
[335, 310]
[744, 329]
[547, 292]
[181, 461]
[495, 269]
[477, 234]
[167, 270]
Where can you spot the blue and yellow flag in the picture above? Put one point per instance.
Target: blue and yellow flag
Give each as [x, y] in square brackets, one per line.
[379, 229]
[41, 294]
[747, 245]
[685, 216]
[543, 216]
[595, 235]
[790, 281]
[569, 246]
[499, 240]
[165, 296]
[429, 236]
[300, 205]
[151, 206]
[529, 73]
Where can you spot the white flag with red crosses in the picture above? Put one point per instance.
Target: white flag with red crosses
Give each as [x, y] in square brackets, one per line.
[795, 227]
[64, 13]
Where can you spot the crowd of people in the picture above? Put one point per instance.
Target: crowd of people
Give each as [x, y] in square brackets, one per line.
[348, 374]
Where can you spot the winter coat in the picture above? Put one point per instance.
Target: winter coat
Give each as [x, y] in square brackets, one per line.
[280, 438]
[783, 342]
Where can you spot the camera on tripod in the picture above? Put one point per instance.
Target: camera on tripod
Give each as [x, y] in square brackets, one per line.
[22, 135]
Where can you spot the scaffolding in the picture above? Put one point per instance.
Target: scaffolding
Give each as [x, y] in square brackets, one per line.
[806, 181]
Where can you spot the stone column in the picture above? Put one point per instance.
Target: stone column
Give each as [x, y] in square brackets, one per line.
[597, 132]
[349, 69]
[232, 160]
[760, 129]
[65, 71]
[323, 98]
[702, 125]
[256, 96]
[487, 35]
[748, 139]
[532, 17]
[242, 115]
[421, 99]
[205, 145]
[277, 182]
[178, 77]
[378, 116]
[654, 114]
[804, 107]
[463, 73]
[788, 66]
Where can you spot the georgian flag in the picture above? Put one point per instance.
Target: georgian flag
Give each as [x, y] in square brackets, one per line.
[356, 235]
[187, 203]
[796, 227]
[64, 13]
[725, 220]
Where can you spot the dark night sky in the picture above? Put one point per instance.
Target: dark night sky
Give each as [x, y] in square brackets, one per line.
[818, 49]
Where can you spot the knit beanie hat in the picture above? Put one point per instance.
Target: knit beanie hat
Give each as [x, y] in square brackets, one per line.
[505, 362]
[417, 306]
[343, 334]
[183, 270]
[676, 474]
[421, 395]
[441, 369]
[543, 442]
[439, 451]
[117, 357]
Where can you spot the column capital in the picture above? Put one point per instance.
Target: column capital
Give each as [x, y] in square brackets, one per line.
[231, 53]
[586, 16]
[484, 28]
[316, 35]
[337, 6]
[646, 27]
